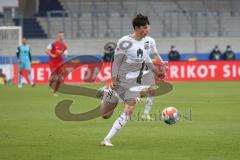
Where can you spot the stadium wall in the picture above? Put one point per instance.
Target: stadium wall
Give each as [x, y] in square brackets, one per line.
[95, 46]
[184, 45]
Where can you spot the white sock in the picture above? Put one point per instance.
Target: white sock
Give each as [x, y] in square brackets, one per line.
[118, 124]
[149, 105]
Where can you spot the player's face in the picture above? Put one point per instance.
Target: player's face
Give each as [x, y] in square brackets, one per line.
[149, 29]
[60, 36]
[24, 40]
[142, 31]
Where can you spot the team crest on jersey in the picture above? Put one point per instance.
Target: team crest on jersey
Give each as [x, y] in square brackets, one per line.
[139, 53]
[146, 45]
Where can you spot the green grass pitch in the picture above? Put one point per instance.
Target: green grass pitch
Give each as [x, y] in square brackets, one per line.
[29, 129]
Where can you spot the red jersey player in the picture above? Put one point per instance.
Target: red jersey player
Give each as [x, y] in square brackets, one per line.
[55, 51]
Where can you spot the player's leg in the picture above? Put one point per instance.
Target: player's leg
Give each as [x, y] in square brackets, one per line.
[58, 82]
[20, 75]
[55, 79]
[148, 79]
[121, 121]
[59, 76]
[28, 68]
[109, 103]
[107, 109]
[54, 84]
[147, 109]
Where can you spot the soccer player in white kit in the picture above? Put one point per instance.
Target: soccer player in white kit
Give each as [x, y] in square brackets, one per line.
[130, 60]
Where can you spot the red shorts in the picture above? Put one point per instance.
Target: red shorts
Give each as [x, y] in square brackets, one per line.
[55, 67]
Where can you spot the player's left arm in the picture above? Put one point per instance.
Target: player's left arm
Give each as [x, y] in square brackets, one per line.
[158, 70]
[65, 52]
[18, 54]
[157, 55]
[117, 61]
[152, 67]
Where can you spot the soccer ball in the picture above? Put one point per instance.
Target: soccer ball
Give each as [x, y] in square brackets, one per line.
[170, 115]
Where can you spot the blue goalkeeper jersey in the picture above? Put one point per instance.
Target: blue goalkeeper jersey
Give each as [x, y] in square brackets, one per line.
[24, 54]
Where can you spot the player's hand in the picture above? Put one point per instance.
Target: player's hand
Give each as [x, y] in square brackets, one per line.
[162, 63]
[60, 51]
[53, 55]
[165, 63]
[114, 84]
[161, 72]
[162, 66]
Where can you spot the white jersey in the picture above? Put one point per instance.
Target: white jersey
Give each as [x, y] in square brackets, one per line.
[134, 58]
[152, 44]
[138, 51]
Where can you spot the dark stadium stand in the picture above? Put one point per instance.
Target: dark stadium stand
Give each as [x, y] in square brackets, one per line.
[110, 18]
[49, 5]
[31, 28]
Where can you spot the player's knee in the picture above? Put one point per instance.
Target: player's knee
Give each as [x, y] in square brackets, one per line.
[106, 115]
[129, 111]
[131, 102]
[152, 90]
[106, 109]
[149, 102]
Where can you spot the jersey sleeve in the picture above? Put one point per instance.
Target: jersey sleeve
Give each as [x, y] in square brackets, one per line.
[121, 46]
[66, 50]
[118, 58]
[153, 46]
[50, 46]
[154, 49]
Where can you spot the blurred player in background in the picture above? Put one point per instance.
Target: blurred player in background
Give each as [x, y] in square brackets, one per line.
[56, 50]
[24, 59]
[130, 59]
[3, 79]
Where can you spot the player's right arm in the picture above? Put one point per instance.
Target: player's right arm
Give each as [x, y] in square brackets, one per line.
[30, 55]
[158, 71]
[48, 50]
[18, 54]
[118, 59]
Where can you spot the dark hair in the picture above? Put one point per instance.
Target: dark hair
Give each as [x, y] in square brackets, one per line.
[60, 32]
[140, 20]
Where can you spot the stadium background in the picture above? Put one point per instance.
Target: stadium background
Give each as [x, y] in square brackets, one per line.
[194, 27]
[28, 127]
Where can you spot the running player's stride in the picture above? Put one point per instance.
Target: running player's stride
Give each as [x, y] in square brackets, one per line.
[128, 70]
[56, 50]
